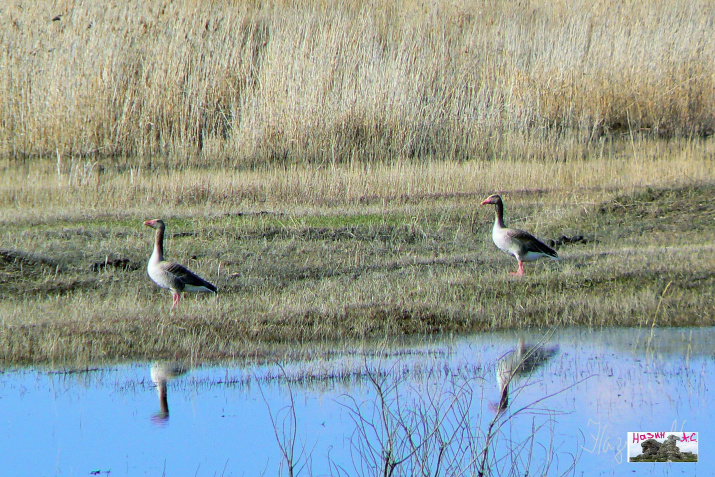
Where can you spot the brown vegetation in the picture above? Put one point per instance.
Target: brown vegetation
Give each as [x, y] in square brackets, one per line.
[322, 163]
[418, 267]
[245, 83]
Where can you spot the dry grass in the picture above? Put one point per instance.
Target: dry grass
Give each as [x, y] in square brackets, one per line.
[245, 83]
[410, 259]
[57, 190]
[322, 162]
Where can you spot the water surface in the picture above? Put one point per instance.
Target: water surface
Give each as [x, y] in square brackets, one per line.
[567, 413]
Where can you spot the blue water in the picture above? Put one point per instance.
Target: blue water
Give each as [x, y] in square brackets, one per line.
[569, 415]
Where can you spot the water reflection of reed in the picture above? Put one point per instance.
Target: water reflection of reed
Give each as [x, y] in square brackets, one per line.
[520, 362]
[161, 373]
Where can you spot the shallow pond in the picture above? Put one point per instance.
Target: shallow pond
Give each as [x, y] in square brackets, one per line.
[564, 407]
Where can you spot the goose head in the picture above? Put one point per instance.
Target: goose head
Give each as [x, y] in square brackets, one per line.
[492, 199]
[155, 224]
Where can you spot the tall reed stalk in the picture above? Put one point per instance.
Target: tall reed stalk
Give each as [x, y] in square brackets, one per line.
[245, 83]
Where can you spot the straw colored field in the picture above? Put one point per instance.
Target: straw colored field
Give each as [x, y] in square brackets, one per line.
[245, 83]
[322, 163]
[316, 254]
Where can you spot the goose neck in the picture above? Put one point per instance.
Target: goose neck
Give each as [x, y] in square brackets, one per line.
[499, 215]
[158, 253]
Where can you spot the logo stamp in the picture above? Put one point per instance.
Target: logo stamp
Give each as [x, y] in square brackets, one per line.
[662, 447]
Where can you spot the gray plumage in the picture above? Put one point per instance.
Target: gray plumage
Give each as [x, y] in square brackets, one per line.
[172, 275]
[522, 245]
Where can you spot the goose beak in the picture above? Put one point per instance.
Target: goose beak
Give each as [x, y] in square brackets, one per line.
[486, 202]
[149, 223]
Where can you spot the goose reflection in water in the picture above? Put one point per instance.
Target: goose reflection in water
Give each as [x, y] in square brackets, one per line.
[161, 373]
[517, 363]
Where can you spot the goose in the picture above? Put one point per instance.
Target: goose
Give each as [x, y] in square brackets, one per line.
[161, 373]
[524, 246]
[520, 362]
[171, 275]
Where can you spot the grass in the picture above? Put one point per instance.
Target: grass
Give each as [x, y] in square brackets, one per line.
[322, 164]
[254, 83]
[411, 257]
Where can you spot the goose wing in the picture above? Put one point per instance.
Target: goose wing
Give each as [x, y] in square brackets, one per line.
[529, 243]
[189, 278]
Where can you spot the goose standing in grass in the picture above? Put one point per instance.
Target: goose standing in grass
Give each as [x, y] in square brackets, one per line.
[524, 246]
[171, 275]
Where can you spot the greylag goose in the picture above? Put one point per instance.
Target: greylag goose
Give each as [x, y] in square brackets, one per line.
[524, 246]
[520, 362]
[161, 373]
[171, 275]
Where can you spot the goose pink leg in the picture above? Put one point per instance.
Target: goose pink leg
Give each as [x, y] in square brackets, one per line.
[520, 272]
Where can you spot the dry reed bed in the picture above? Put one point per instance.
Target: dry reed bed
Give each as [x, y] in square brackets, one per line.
[254, 82]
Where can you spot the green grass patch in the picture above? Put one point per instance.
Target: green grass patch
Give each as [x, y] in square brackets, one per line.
[78, 291]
